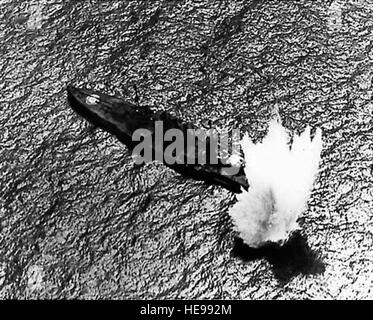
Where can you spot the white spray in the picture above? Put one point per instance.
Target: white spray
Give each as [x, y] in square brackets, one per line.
[281, 180]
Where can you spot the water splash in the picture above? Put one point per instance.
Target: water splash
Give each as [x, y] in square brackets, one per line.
[281, 179]
[35, 21]
[335, 16]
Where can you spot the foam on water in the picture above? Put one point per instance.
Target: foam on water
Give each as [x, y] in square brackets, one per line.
[281, 177]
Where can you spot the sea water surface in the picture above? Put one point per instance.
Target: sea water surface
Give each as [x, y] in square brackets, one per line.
[79, 220]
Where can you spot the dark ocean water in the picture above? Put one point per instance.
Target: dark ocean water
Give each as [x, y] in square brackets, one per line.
[79, 220]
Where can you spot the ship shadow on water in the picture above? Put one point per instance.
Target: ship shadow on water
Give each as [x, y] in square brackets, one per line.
[287, 261]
